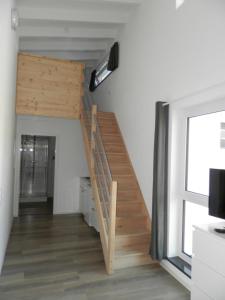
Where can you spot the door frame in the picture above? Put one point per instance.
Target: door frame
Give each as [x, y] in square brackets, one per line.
[17, 154]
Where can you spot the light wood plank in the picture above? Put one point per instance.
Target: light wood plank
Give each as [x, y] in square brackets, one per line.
[49, 87]
[112, 227]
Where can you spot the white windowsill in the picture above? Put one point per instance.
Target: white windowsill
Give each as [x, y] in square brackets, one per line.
[177, 274]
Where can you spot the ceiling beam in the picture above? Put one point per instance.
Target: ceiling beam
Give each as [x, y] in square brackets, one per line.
[72, 55]
[76, 15]
[68, 2]
[67, 32]
[51, 44]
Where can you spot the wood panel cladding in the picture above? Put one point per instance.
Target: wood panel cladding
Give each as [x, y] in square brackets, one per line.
[49, 87]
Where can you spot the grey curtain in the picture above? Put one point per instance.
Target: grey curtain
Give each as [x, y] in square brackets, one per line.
[158, 248]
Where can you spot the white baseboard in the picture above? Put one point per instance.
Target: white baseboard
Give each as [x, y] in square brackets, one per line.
[177, 274]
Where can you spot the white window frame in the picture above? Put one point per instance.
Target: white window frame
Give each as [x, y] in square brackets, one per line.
[207, 102]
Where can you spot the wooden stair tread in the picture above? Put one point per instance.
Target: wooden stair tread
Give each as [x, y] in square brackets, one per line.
[131, 223]
[131, 232]
[130, 214]
[122, 164]
[141, 233]
[132, 241]
[130, 204]
[127, 261]
[118, 172]
[122, 200]
[125, 194]
[129, 186]
[131, 218]
[141, 250]
[128, 183]
[107, 124]
[116, 158]
[112, 138]
[125, 208]
[105, 113]
[126, 229]
[128, 200]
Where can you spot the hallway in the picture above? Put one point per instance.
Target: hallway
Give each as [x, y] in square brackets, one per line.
[36, 208]
[60, 257]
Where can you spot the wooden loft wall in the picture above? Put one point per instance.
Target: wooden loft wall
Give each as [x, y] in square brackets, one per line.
[49, 87]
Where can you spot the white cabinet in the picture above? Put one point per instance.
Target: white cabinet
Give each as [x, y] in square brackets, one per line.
[208, 263]
[87, 204]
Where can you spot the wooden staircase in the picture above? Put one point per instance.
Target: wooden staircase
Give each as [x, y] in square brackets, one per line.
[129, 244]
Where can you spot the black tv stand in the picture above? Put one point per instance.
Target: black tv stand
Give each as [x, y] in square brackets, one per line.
[220, 230]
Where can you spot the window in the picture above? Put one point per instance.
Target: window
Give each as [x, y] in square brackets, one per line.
[109, 64]
[102, 73]
[206, 149]
[197, 144]
[222, 136]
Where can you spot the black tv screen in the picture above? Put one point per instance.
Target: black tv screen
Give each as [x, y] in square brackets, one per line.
[217, 193]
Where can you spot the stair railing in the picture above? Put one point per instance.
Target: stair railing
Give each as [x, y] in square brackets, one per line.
[105, 188]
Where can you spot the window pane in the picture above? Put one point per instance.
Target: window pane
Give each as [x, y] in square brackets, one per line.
[194, 214]
[102, 73]
[206, 149]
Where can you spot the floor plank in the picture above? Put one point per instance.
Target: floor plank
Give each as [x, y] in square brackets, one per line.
[60, 257]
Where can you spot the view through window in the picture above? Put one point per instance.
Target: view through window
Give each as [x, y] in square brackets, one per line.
[205, 150]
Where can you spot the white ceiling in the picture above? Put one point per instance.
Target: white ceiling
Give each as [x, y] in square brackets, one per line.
[72, 29]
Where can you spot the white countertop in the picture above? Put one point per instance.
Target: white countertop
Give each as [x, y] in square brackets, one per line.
[209, 228]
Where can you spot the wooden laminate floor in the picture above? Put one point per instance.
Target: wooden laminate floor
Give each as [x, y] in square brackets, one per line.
[60, 257]
[36, 208]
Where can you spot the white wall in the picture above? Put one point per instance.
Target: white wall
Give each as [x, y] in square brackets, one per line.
[164, 54]
[8, 50]
[70, 162]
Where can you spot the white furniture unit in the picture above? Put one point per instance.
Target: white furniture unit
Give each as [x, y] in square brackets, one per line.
[208, 263]
[87, 204]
